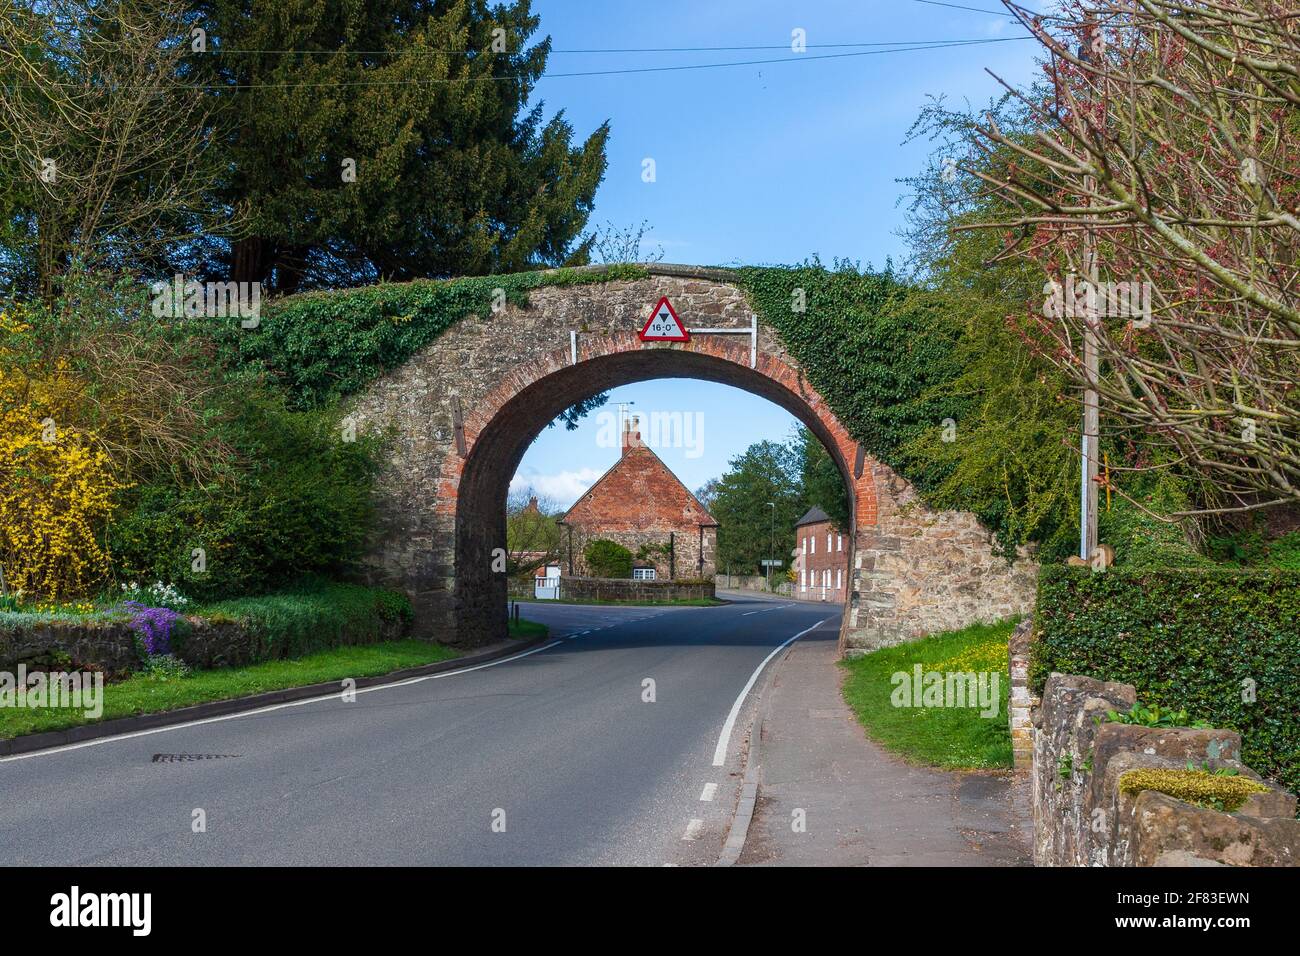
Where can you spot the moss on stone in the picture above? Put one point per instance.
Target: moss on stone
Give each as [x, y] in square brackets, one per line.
[1197, 787]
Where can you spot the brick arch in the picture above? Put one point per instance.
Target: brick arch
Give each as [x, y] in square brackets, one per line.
[461, 413]
[504, 423]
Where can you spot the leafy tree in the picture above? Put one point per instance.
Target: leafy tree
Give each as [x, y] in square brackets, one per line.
[821, 481]
[532, 531]
[1167, 135]
[749, 528]
[454, 174]
[608, 559]
[1006, 445]
[102, 143]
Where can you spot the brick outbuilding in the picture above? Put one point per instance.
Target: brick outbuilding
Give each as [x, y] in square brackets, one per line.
[821, 558]
[640, 504]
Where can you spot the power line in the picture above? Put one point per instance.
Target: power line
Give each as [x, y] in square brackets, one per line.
[648, 49]
[937, 45]
[958, 6]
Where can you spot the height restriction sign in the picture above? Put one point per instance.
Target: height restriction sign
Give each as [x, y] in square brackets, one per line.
[663, 325]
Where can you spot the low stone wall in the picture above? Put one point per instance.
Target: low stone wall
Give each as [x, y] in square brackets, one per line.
[1081, 817]
[753, 582]
[111, 647]
[625, 589]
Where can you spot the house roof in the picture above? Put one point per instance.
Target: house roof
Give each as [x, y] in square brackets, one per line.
[642, 456]
[813, 515]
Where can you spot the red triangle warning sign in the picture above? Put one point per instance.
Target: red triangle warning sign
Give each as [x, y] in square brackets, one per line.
[663, 325]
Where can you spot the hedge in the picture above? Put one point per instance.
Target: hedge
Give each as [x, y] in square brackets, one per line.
[1189, 639]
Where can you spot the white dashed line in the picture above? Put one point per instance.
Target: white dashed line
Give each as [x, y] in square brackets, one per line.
[706, 795]
[720, 754]
[693, 829]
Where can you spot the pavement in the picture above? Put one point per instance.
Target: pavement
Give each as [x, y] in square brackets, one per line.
[829, 796]
[557, 756]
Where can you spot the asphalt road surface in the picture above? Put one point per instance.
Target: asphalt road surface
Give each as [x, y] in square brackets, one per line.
[552, 757]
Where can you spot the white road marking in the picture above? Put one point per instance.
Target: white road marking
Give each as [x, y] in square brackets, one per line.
[693, 829]
[766, 609]
[266, 710]
[706, 795]
[720, 753]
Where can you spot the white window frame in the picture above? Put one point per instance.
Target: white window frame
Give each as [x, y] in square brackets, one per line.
[828, 542]
[839, 542]
[643, 574]
[839, 581]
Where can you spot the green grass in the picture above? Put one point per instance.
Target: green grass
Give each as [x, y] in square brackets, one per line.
[685, 602]
[147, 694]
[952, 737]
[527, 629]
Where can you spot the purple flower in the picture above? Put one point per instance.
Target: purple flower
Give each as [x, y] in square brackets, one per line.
[153, 624]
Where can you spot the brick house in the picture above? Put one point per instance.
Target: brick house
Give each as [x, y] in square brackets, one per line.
[640, 504]
[821, 563]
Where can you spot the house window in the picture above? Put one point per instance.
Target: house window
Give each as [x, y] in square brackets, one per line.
[803, 579]
[828, 542]
[805, 545]
[839, 583]
[643, 574]
[839, 542]
[812, 543]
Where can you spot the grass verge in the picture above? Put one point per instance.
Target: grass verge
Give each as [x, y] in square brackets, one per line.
[951, 737]
[151, 693]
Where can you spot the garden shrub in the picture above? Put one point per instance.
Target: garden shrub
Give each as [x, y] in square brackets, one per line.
[1222, 644]
[56, 482]
[301, 504]
[312, 616]
[608, 559]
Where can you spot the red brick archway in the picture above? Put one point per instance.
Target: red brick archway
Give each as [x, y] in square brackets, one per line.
[497, 431]
[461, 413]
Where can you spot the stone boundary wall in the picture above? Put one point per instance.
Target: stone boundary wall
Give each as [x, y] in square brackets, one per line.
[1082, 819]
[626, 589]
[111, 646]
[752, 582]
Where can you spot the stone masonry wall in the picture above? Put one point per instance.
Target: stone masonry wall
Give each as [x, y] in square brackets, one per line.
[685, 562]
[920, 571]
[1081, 818]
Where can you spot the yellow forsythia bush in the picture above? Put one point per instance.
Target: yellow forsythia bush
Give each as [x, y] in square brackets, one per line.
[56, 485]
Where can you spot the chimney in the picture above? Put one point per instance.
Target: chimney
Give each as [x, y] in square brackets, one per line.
[631, 434]
[532, 505]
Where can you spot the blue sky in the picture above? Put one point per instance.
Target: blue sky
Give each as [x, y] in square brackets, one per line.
[768, 163]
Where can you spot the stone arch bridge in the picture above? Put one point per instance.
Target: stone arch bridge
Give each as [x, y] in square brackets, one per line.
[463, 411]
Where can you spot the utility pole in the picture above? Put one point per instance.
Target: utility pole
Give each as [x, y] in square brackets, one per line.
[771, 545]
[1091, 52]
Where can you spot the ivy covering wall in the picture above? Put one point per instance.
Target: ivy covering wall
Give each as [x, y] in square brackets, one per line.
[320, 346]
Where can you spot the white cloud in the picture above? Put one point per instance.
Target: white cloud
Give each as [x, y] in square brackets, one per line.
[563, 488]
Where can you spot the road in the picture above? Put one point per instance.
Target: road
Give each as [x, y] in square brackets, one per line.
[548, 758]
